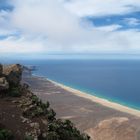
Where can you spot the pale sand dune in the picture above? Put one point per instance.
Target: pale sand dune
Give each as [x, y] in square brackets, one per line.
[101, 101]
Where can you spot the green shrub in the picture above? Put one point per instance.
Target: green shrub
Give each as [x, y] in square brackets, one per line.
[5, 134]
[14, 92]
[51, 115]
[34, 99]
[52, 136]
[57, 129]
[28, 138]
[66, 130]
[37, 112]
[39, 108]
[45, 105]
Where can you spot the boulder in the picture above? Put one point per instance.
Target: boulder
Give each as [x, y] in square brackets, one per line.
[4, 85]
[13, 74]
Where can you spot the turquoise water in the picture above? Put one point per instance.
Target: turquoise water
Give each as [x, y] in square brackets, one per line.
[115, 80]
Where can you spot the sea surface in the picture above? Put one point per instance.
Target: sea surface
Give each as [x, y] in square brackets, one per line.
[115, 80]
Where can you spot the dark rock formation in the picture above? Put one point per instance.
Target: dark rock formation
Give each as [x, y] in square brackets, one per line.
[13, 74]
[10, 76]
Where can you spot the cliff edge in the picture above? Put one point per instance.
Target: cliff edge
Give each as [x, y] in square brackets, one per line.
[23, 116]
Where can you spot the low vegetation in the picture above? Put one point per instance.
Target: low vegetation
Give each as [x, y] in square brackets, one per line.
[6, 134]
[56, 129]
[64, 130]
[14, 91]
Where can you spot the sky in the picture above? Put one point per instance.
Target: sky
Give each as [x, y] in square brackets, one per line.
[42, 27]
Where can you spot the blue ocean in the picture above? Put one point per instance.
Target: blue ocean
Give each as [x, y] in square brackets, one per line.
[115, 80]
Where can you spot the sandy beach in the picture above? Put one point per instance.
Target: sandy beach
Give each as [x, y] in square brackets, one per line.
[100, 118]
[101, 101]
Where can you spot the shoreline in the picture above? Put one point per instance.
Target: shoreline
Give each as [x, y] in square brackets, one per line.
[89, 114]
[101, 101]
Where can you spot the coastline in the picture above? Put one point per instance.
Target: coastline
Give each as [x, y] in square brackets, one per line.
[89, 114]
[98, 100]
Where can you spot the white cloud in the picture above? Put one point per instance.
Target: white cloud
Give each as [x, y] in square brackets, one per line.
[132, 21]
[3, 19]
[102, 7]
[109, 28]
[50, 26]
[5, 26]
[12, 45]
[49, 18]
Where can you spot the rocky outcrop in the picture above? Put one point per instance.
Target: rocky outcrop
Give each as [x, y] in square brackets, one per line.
[10, 75]
[4, 85]
[117, 128]
[13, 73]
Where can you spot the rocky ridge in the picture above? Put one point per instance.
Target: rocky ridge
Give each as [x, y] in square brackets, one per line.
[23, 116]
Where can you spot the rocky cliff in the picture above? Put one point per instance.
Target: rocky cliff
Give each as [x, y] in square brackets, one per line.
[23, 116]
[10, 75]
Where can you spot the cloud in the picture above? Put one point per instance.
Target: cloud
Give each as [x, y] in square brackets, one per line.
[54, 26]
[6, 27]
[49, 18]
[102, 8]
[109, 28]
[132, 21]
[3, 16]
[12, 45]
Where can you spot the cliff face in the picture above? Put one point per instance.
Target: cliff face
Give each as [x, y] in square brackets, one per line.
[23, 116]
[13, 73]
[10, 75]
